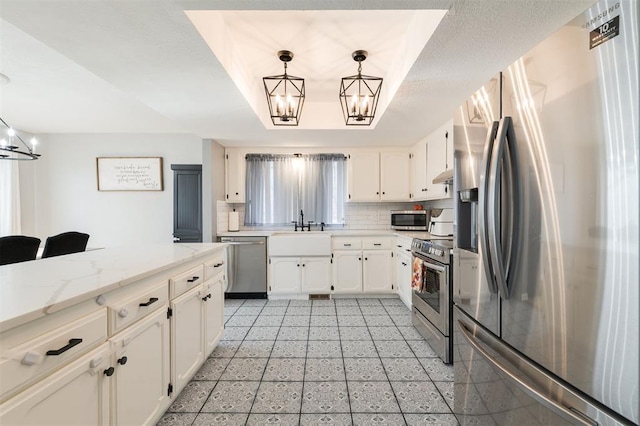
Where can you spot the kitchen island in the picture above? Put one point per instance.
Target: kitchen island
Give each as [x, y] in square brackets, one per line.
[108, 336]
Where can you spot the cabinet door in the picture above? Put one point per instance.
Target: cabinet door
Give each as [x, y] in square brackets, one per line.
[376, 271]
[347, 271]
[78, 394]
[364, 176]
[285, 275]
[142, 371]
[403, 278]
[439, 159]
[235, 167]
[419, 171]
[213, 313]
[395, 176]
[316, 275]
[186, 337]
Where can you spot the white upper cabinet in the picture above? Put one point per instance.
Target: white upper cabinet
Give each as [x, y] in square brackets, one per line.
[419, 171]
[395, 176]
[379, 176]
[439, 158]
[235, 169]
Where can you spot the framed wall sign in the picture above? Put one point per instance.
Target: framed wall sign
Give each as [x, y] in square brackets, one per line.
[129, 173]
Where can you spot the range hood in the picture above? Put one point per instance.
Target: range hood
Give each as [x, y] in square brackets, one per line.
[444, 177]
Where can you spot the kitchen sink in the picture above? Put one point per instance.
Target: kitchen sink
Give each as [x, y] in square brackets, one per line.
[290, 243]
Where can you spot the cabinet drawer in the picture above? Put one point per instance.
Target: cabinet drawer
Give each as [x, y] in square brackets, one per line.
[343, 243]
[403, 245]
[22, 364]
[186, 281]
[214, 267]
[374, 243]
[128, 310]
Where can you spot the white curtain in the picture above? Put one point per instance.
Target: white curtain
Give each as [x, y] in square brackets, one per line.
[280, 186]
[9, 198]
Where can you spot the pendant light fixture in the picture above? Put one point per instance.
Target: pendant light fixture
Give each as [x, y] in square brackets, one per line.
[285, 94]
[9, 150]
[359, 94]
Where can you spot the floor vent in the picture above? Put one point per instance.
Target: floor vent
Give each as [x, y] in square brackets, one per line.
[319, 297]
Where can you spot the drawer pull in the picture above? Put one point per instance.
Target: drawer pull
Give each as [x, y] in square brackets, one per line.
[150, 302]
[109, 371]
[407, 249]
[193, 279]
[377, 244]
[123, 360]
[347, 245]
[217, 265]
[72, 343]
[398, 245]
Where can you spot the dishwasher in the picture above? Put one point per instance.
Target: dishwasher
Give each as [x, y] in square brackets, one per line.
[246, 267]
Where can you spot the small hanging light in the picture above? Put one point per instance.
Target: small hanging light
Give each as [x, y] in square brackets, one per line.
[285, 94]
[10, 151]
[359, 94]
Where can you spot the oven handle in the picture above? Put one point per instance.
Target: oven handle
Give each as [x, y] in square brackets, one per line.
[429, 264]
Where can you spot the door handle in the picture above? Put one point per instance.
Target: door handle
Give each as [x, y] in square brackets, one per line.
[176, 239]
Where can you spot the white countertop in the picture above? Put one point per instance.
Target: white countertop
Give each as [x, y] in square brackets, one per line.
[332, 232]
[33, 289]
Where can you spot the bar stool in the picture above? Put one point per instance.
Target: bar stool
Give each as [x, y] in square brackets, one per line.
[18, 248]
[65, 243]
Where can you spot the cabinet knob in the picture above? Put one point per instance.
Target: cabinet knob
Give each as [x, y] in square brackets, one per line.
[123, 313]
[109, 371]
[366, 258]
[303, 265]
[123, 360]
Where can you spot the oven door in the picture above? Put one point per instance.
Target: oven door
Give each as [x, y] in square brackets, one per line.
[431, 296]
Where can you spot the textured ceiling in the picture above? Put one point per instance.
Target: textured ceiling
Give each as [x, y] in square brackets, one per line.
[141, 66]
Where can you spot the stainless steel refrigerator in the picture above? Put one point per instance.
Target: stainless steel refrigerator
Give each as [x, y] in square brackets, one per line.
[546, 258]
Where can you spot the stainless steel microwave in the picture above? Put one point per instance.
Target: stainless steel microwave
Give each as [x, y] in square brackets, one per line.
[410, 220]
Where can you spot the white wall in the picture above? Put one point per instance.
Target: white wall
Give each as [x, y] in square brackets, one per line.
[66, 195]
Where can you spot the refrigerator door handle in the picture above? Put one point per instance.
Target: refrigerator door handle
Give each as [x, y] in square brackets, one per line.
[495, 246]
[483, 206]
[569, 413]
[515, 198]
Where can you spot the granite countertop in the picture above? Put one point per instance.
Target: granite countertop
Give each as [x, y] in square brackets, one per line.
[33, 289]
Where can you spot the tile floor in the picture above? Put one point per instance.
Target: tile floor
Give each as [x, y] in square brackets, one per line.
[322, 362]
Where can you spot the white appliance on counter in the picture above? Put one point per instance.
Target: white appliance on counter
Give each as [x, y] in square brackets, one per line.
[546, 302]
[441, 223]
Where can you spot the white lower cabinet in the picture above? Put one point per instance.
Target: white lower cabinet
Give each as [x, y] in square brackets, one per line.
[78, 394]
[292, 275]
[376, 271]
[187, 349]
[403, 277]
[347, 271]
[213, 314]
[142, 371]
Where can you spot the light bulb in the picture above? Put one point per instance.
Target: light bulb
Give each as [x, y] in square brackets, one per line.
[11, 132]
[34, 142]
[3, 142]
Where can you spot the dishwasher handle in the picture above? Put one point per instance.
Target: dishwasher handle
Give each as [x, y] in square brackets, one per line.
[240, 243]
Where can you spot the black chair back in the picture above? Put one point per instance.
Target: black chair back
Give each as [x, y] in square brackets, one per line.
[18, 248]
[65, 243]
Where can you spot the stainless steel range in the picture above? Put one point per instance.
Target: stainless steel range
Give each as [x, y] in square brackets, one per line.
[432, 292]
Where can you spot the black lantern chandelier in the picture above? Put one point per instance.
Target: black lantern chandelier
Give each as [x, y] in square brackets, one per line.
[285, 95]
[9, 150]
[359, 94]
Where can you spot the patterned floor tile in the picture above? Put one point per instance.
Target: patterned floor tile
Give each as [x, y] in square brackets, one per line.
[255, 302]
[378, 320]
[421, 349]
[325, 419]
[248, 310]
[230, 310]
[446, 390]
[364, 301]
[324, 321]
[300, 302]
[255, 349]
[392, 302]
[226, 419]
[393, 349]
[345, 301]
[270, 310]
[177, 419]
[364, 369]
[293, 333]
[284, 370]
[233, 302]
[231, 397]
[278, 302]
[361, 419]
[269, 320]
[324, 349]
[323, 310]
[278, 397]
[432, 419]
[348, 310]
[234, 333]
[226, 348]
[212, 369]
[419, 397]
[359, 349]
[437, 370]
[323, 302]
[244, 369]
[403, 369]
[289, 349]
[372, 310]
[324, 369]
[296, 321]
[397, 310]
[262, 333]
[298, 310]
[402, 319]
[192, 397]
[385, 333]
[324, 333]
[351, 321]
[273, 419]
[354, 333]
[325, 397]
[410, 333]
[372, 397]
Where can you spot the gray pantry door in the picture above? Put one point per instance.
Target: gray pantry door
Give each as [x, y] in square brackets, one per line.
[187, 203]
